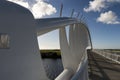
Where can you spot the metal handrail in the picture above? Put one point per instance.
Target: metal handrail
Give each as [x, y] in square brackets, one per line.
[108, 55]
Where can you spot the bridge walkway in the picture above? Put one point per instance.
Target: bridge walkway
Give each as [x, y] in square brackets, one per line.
[101, 68]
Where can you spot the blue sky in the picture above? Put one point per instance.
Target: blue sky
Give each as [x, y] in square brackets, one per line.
[102, 16]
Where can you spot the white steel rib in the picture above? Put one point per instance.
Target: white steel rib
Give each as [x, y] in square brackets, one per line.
[73, 50]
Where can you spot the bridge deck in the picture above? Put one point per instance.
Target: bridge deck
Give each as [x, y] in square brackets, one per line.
[101, 68]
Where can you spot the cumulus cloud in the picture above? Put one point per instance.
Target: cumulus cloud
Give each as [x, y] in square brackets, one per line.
[98, 5]
[108, 18]
[39, 8]
[95, 5]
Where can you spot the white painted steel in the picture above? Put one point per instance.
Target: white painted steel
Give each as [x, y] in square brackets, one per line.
[22, 61]
[74, 48]
[73, 51]
[65, 75]
[82, 71]
[49, 24]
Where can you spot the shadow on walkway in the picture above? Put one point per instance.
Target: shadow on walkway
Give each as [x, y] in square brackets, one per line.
[101, 68]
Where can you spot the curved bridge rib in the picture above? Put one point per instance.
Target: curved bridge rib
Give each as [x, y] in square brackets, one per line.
[73, 50]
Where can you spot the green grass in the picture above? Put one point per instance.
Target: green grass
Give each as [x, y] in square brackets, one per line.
[114, 50]
[57, 51]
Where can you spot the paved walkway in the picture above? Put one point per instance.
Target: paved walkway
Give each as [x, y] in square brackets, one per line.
[101, 68]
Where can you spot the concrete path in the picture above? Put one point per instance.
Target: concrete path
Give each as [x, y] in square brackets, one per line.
[101, 68]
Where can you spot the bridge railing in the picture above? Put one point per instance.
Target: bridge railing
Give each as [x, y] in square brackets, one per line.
[109, 55]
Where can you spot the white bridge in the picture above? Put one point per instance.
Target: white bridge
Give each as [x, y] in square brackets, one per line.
[19, 53]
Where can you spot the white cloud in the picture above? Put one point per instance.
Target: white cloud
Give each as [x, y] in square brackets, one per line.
[95, 5]
[108, 18]
[98, 5]
[39, 9]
